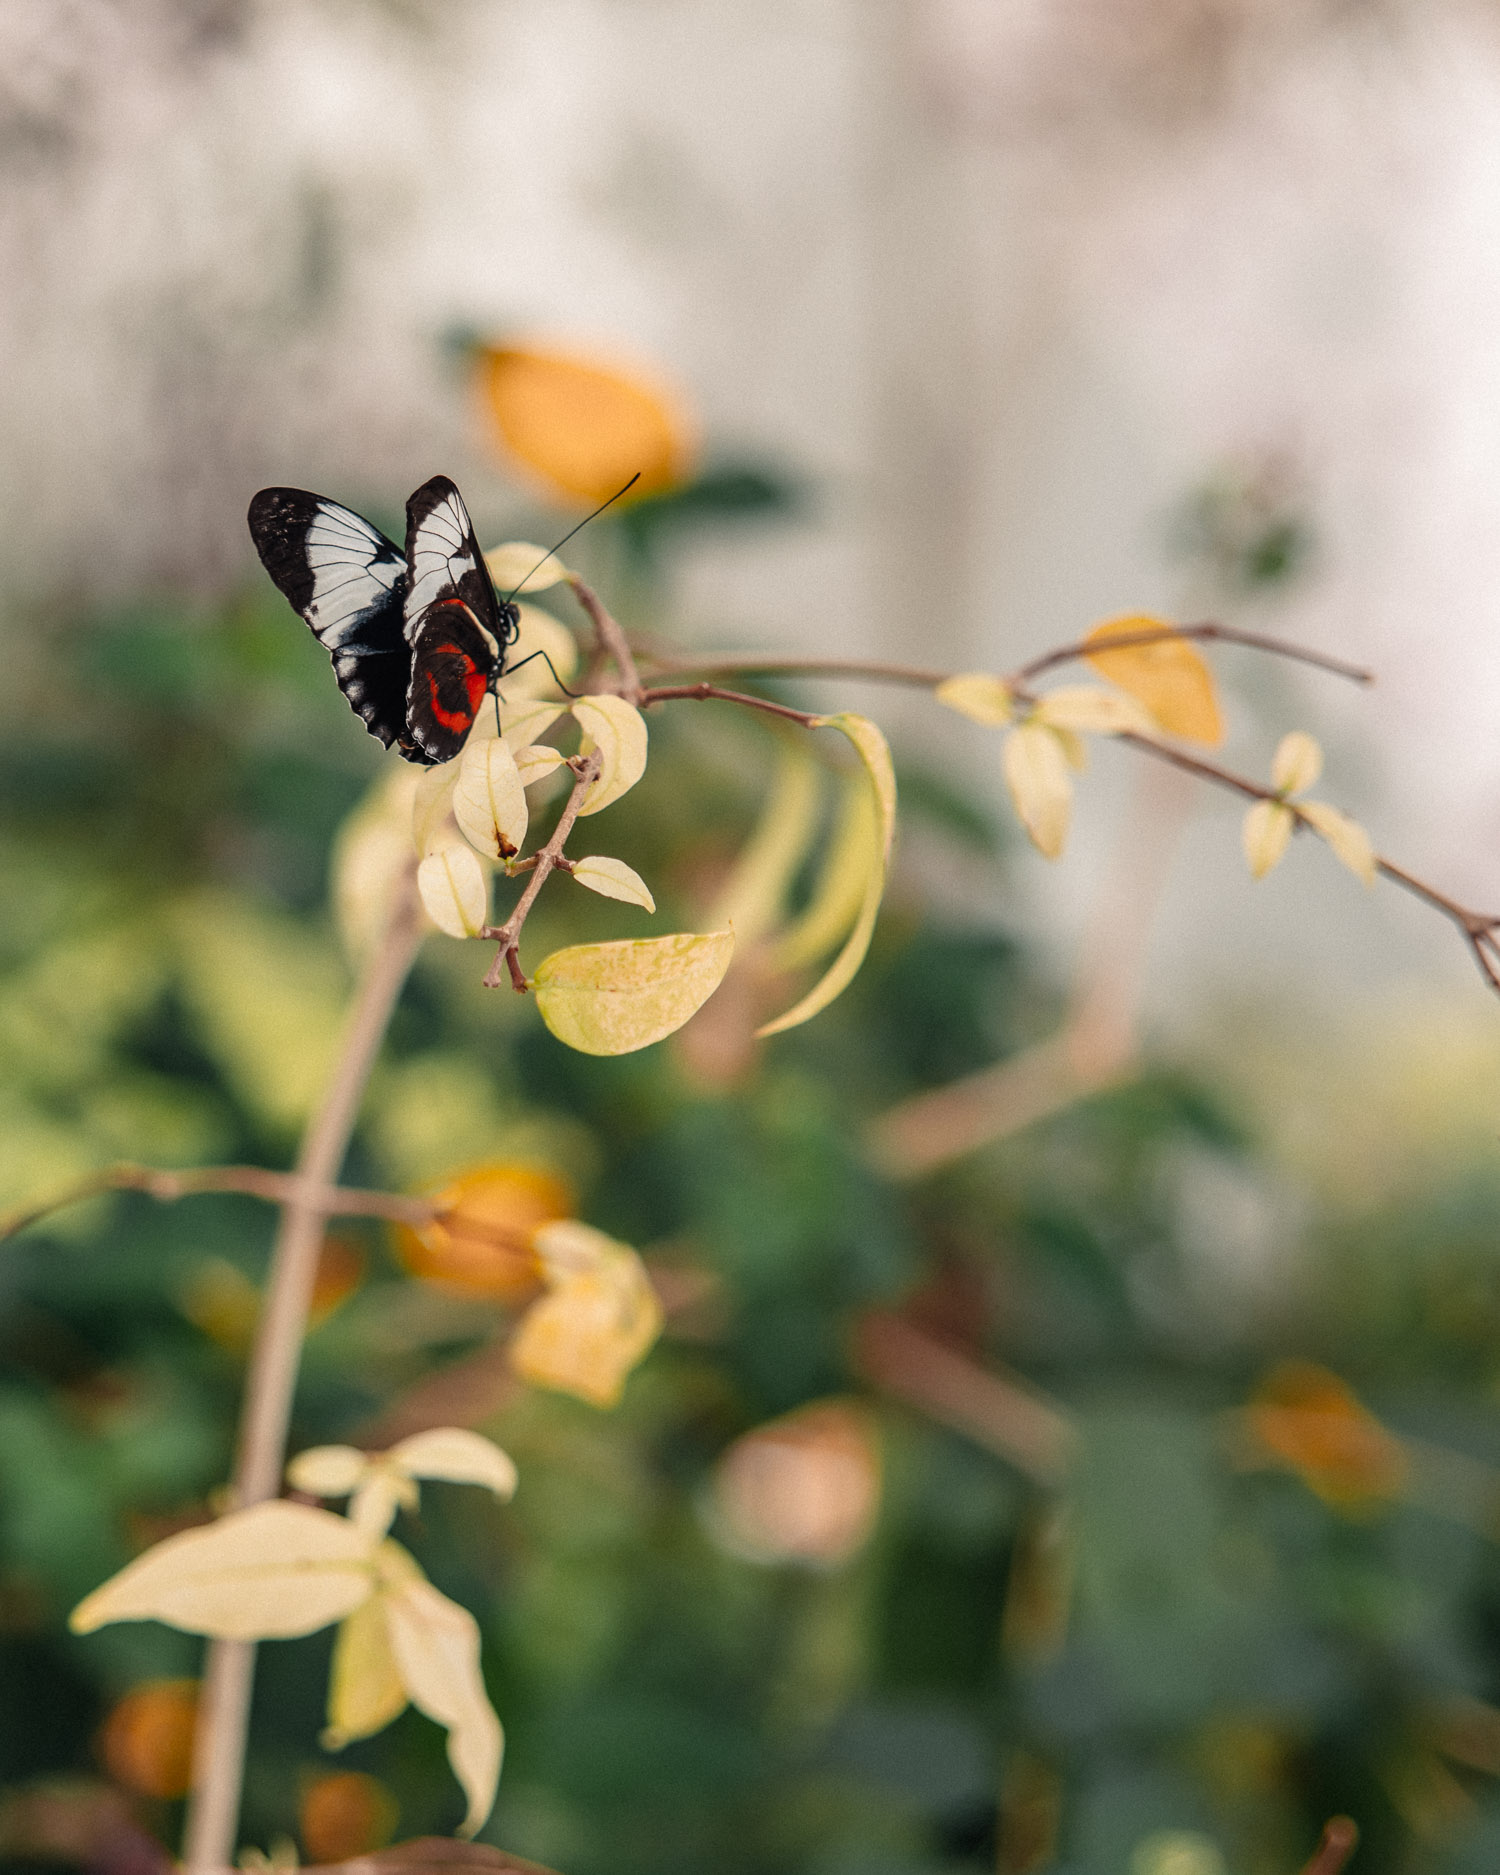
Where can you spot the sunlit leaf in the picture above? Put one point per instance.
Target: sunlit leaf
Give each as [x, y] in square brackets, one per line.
[756, 889]
[597, 1321]
[1268, 827]
[327, 1470]
[839, 892]
[610, 999]
[536, 763]
[582, 427]
[454, 891]
[522, 566]
[980, 697]
[274, 1570]
[612, 878]
[1297, 763]
[1036, 772]
[489, 802]
[1170, 677]
[454, 1453]
[432, 803]
[1088, 708]
[522, 723]
[873, 753]
[618, 731]
[481, 1241]
[365, 1692]
[1348, 839]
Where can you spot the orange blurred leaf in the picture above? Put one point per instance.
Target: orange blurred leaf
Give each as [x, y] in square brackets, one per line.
[1170, 677]
[1306, 1418]
[482, 1241]
[344, 1814]
[147, 1740]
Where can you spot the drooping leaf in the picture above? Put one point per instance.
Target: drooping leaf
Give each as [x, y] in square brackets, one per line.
[514, 567]
[1268, 826]
[454, 1453]
[1170, 677]
[435, 1644]
[1036, 773]
[618, 730]
[612, 878]
[1087, 708]
[1347, 837]
[489, 801]
[271, 1571]
[1297, 763]
[980, 697]
[454, 890]
[755, 891]
[597, 1321]
[833, 908]
[610, 999]
[365, 1691]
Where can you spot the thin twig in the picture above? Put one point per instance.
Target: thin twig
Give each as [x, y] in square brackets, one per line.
[612, 641]
[711, 693]
[547, 859]
[753, 663]
[219, 1743]
[1207, 633]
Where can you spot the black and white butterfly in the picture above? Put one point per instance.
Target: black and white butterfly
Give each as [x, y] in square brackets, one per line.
[418, 639]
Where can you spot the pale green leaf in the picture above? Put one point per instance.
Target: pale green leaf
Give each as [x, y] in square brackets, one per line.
[453, 889]
[435, 1644]
[1297, 763]
[610, 999]
[612, 878]
[456, 1454]
[1268, 827]
[1093, 710]
[755, 891]
[328, 1470]
[514, 567]
[1348, 839]
[365, 1692]
[1036, 772]
[839, 893]
[980, 697]
[489, 802]
[618, 731]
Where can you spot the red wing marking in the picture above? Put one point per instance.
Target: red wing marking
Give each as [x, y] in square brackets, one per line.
[456, 720]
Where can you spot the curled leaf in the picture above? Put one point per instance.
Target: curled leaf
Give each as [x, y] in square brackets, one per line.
[327, 1470]
[980, 697]
[489, 802]
[870, 745]
[453, 889]
[1036, 772]
[612, 878]
[365, 1691]
[610, 999]
[1088, 708]
[435, 1645]
[521, 566]
[1268, 827]
[596, 1323]
[839, 893]
[1170, 677]
[1297, 763]
[458, 1455]
[756, 888]
[1348, 839]
[618, 731]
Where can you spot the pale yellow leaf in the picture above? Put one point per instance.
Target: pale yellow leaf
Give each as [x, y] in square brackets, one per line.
[980, 697]
[594, 1325]
[518, 566]
[567, 1247]
[454, 1453]
[522, 723]
[381, 1493]
[610, 999]
[535, 764]
[489, 802]
[1169, 677]
[436, 1648]
[618, 731]
[371, 856]
[839, 894]
[327, 1470]
[1268, 827]
[453, 888]
[527, 674]
[1074, 748]
[612, 878]
[1348, 839]
[433, 803]
[1036, 772]
[873, 752]
[271, 1571]
[752, 896]
[365, 1691]
[1297, 763]
[1088, 708]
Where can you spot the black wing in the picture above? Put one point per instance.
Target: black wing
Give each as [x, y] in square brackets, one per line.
[445, 564]
[452, 666]
[350, 584]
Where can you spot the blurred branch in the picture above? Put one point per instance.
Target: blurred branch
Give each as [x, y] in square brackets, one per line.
[706, 693]
[611, 642]
[1339, 1840]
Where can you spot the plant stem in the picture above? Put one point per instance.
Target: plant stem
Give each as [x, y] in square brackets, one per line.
[544, 862]
[219, 1745]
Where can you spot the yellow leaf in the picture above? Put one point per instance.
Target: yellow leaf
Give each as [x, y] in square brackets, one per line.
[582, 427]
[454, 1453]
[873, 752]
[539, 631]
[753, 894]
[839, 893]
[1297, 763]
[370, 859]
[382, 1492]
[453, 890]
[524, 722]
[432, 802]
[365, 1692]
[435, 1644]
[1268, 827]
[327, 1470]
[521, 566]
[595, 1325]
[1036, 772]
[1310, 1420]
[535, 764]
[271, 1571]
[618, 731]
[1088, 708]
[1169, 677]
[1348, 839]
[481, 1240]
[489, 802]
[980, 697]
[612, 878]
[610, 999]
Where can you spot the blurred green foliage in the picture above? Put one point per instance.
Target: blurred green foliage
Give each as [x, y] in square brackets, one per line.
[1004, 1677]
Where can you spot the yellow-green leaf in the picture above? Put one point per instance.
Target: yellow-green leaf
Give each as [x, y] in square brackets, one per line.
[610, 999]
[755, 891]
[612, 878]
[1348, 839]
[271, 1571]
[1169, 677]
[838, 895]
[597, 1321]
[435, 1644]
[873, 752]
[365, 1692]
[454, 1453]
[453, 888]
[515, 567]
[618, 731]
[1088, 708]
[1036, 772]
[980, 697]
[1297, 763]
[536, 763]
[1268, 827]
[489, 802]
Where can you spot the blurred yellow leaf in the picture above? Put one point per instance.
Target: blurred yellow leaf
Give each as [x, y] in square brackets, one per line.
[524, 722]
[752, 896]
[489, 802]
[435, 1644]
[458, 1455]
[1086, 707]
[581, 427]
[1268, 827]
[522, 566]
[1297, 763]
[432, 801]
[1348, 839]
[980, 697]
[873, 752]
[1308, 1419]
[612, 878]
[371, 854]
[610, 999]
[327, 1470]
[453, 889]
[482, 1241]
[618, 730]
[1036, 772]
[596, 1322]
[539, 631]
[836, 898]
[1170, 677]
[365, 1691]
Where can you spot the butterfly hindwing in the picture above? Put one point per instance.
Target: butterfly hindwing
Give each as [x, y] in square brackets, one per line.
[453, 661]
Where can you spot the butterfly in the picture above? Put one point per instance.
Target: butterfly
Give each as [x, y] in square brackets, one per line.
[418, 639]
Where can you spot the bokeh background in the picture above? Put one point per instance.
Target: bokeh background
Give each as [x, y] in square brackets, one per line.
[1108, 1486]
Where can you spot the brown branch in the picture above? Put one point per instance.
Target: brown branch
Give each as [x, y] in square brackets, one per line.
[1339, 1840]
[612, 642]
[1207, 633]
[547, 860]
[753, 663]
[711, 693]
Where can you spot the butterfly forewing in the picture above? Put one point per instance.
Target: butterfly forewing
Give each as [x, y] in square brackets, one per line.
[445, 563]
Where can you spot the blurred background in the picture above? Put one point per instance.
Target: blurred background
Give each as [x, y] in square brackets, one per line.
[1094, 1471]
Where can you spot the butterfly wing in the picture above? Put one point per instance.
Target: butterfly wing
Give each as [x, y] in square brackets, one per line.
[350, 584]
[446, 564]
[452, 662]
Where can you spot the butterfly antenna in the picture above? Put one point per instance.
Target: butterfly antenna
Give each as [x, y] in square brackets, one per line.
[576, 530]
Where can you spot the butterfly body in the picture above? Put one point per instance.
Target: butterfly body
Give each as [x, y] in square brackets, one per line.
[418, 639]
